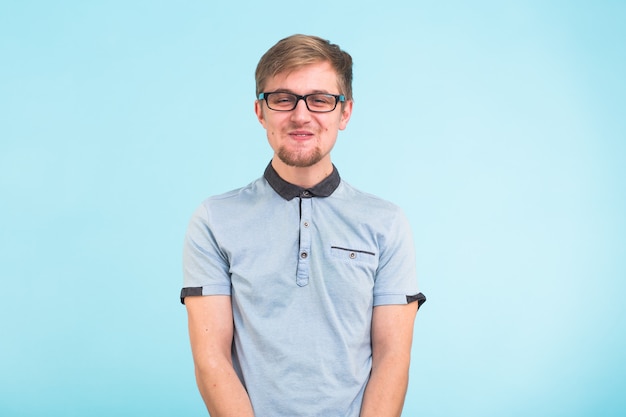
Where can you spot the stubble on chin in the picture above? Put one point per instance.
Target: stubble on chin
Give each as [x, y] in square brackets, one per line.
[299, 159]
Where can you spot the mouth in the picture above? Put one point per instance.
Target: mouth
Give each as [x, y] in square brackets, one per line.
[301, 134]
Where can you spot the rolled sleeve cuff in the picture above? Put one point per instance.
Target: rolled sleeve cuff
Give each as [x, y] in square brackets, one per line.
[386, 299]
[206, 290]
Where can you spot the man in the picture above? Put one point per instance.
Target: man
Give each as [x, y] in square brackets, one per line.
[300, 290]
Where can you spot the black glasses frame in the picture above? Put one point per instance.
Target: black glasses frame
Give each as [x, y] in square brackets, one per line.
[338, 98]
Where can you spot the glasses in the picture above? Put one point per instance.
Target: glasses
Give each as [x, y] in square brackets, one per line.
[316, 103]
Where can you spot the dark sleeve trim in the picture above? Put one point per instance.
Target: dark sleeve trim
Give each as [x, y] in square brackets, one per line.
[189, 291]
[420, 298]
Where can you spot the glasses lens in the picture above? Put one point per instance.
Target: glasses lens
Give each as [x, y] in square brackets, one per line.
[281, 101]
[321, 102]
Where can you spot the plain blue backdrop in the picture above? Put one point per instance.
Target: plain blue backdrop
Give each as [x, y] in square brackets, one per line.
[498, 126]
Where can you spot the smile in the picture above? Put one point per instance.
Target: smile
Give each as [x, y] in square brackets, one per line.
[300, 134]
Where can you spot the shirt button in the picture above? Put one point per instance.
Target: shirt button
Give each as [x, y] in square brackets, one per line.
[352, 255]
[306, 224]
[306, 193]
[304, 255]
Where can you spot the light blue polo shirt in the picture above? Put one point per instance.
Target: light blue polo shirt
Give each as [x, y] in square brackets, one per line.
[304, 269]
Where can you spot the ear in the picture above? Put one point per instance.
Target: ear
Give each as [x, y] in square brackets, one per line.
[346, 112]
[258, 109]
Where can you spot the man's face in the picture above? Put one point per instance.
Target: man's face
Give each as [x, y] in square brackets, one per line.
[301, 138]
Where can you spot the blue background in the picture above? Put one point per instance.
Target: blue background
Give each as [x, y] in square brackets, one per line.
[498, 126]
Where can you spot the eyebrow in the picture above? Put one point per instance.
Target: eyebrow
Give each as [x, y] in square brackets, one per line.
[285, 90]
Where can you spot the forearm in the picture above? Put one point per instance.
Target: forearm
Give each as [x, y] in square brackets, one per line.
[222, 391]
[386, 389]
[211, 336]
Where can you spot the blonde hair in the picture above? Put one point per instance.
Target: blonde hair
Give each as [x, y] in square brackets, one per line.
[296, 51]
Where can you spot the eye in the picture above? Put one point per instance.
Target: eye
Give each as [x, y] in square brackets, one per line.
[281, 99]
[321, 102]
[322, 99]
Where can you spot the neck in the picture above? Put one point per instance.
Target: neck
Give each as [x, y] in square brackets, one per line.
[305, 177]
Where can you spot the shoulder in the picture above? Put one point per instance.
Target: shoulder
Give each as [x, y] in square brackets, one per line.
[227, 206]
[367, 211]
[238, 197]
[373, 204]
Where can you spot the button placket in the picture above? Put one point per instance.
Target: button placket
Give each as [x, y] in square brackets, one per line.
[304, 252]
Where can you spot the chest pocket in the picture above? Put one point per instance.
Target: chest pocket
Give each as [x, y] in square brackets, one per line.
[353, 272]
[352, 255]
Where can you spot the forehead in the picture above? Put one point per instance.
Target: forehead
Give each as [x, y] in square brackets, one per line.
[319, 76]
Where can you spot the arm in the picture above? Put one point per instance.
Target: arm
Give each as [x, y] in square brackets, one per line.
[211, 334]
[392, 335]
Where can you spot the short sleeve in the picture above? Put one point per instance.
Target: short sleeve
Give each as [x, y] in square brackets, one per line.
[205, 267]
[396, 276]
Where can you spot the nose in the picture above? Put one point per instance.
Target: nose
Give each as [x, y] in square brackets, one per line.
[301, 112]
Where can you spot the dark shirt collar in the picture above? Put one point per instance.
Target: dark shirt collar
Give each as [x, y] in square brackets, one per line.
[289, 191]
